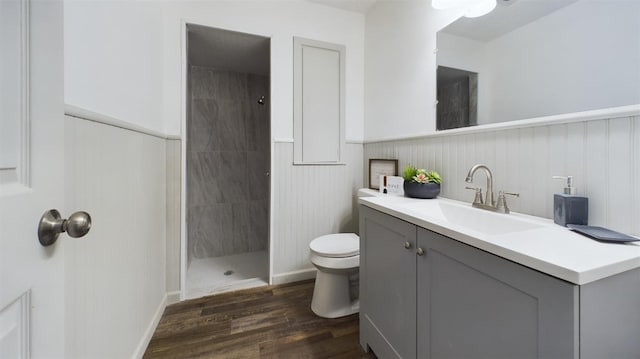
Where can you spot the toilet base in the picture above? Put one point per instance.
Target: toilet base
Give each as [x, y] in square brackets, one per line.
[331, 296]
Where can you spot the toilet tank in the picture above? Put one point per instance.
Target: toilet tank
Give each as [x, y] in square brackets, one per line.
[363, 192]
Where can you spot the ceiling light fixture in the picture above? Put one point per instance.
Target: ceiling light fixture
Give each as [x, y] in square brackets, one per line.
[471, 8]
[480, 8]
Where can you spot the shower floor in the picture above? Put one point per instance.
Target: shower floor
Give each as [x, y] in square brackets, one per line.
[206, 276]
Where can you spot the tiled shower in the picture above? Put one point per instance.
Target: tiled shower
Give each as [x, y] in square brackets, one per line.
[228, 162]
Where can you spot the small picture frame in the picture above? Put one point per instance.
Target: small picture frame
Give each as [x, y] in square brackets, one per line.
[381, 167]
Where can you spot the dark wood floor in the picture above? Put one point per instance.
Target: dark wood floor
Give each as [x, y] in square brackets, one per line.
[267, 322]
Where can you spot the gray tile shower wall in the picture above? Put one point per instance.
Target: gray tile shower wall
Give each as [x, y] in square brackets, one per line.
[228, 144]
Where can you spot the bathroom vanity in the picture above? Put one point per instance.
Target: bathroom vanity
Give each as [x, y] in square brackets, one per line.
[439, 279]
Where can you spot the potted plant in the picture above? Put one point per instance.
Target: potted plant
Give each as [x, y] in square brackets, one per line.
[420, 183]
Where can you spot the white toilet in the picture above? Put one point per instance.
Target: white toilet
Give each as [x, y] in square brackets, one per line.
[336, 256]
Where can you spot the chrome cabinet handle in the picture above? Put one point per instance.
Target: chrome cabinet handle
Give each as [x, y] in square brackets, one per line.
[407, 245]
[51, 225]
[420, 251]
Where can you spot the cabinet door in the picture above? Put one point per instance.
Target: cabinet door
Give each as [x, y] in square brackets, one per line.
[472, 304]
[387, 285]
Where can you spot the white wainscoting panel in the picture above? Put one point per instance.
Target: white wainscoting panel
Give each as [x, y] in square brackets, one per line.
[115, 275]
[173, 218]
[602, 155]
[310, 201]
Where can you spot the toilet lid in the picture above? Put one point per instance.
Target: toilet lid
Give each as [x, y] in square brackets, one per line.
[336, 245]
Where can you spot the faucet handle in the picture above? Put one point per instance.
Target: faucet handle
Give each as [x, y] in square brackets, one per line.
[502, 206]
[478, 198]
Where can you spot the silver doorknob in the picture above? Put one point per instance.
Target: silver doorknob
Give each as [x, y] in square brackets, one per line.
[407, 245]
[52, 224]
[420, 251]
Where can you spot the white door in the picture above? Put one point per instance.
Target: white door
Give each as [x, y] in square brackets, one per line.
[31, 177]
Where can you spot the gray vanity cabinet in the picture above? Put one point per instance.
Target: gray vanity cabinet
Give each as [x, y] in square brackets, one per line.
[473, 304]
[456, 301]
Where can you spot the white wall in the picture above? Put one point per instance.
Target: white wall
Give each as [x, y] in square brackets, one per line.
[113, 59]
[123, 58]
[400, 68]
[115, 281]
[587, 37]
[279, 20]
[310, 201]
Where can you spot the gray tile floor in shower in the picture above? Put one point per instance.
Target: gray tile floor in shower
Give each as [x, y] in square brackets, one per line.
[207, 275]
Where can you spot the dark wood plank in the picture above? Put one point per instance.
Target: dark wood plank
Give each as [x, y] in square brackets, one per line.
[267, 322]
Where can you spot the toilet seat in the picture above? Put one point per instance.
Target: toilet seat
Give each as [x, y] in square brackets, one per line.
[340, 245]
[335, 263]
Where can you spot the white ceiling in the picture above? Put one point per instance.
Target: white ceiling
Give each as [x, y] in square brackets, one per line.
[235, 51]
[361, 6]
[506, 17]
[238, 52]
[228, 50]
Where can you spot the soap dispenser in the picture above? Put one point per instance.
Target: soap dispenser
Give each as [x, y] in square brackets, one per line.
[569, 207]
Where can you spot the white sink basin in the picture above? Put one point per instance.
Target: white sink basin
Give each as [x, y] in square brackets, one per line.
[484, 221]
[465, 216]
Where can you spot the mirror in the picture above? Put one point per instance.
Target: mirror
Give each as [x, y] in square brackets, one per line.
[535, 58]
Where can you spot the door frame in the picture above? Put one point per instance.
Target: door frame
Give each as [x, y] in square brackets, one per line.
[184, 77]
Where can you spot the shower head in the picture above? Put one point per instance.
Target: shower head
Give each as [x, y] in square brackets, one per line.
[261, 100]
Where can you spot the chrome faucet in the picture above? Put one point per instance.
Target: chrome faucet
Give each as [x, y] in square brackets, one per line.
[488, 204]
[489, 192]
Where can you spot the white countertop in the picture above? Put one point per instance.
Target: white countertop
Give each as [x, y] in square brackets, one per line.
[546, 247]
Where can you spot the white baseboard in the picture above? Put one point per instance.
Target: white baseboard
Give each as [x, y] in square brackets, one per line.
[146, 338]
[173, 297]
[294, 276]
